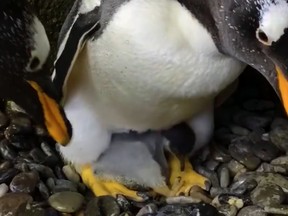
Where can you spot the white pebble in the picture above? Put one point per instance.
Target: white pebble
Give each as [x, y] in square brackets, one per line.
[3, 189]
[71, 174]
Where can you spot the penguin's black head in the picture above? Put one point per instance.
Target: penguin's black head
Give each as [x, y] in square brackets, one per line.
[23, 41]
[24, 48]
[256, 32]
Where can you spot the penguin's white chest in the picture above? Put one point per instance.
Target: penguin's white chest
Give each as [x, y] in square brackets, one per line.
[154, 65]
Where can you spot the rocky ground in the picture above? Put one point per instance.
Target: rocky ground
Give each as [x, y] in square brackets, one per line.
[246, 164]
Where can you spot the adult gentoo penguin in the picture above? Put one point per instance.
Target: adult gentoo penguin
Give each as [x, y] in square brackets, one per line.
[24, 48]
[147, 65]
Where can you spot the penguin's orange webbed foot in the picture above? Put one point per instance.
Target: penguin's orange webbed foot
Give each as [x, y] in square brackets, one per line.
[102, 187]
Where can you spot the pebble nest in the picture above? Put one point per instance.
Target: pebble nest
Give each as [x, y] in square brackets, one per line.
[247, 164]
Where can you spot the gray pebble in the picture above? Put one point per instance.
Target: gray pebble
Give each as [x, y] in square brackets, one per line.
[220, 154]
[6, 152]
[282, 160]
[240, 150]
[3, 189]
[30, 210]
[234, 166]
[71, 174]
[242, 186]
[64, 185]
[37, 155]
[43, 189]
[272, 178]
[103, 205]
[67, 201]
[11, 202]
[279, 137]
[211, 164]
[252, 211]
[267, 194]
[228, 210]
[24, 182]
[252, 121]
[7, 175]
[265, 167]
[265, 150]
[4, 121]
[215, 191]
[5, 165]
[224, 176]
[44, 171]
[258, 105]
[238, 130]
[279, 122]
[277, 210]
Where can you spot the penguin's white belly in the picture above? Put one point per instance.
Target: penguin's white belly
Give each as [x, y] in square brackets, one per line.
[153, 66]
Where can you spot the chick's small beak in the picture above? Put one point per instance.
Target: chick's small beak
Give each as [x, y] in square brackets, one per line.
[54, 119]
[283, 87]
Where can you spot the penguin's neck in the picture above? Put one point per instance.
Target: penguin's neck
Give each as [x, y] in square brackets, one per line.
[205, 12]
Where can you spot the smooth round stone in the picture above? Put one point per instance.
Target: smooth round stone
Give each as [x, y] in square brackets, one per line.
[64, 185]
[7, 175]
[238, 130]
[267, 195]
[148, 209]
[258, 105]
[264, 150]
[4, 120]
[11, 202]
[212, 164]
[28, 210]
[265, 167]
[5, 165]
[22, 122]
[279, 122]
[71, 174]
[67, 201]
[224, 177]
[234, 166]
[240, 150]
[220, 154]
[25, 182]
[252, 121]
[243, 185]
[3, 189]
[252, 211]
[282, 160]
[44, 171]
[37, 155]
[228, 210]
[279, 137]
[44, 191]
[103, 205]
[201, 209]
[5, 150]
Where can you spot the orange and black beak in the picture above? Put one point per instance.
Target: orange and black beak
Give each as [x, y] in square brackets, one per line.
[283, 86]
[55, 120]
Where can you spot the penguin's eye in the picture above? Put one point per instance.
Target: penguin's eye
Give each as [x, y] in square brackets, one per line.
[262, 37]
[34, 63]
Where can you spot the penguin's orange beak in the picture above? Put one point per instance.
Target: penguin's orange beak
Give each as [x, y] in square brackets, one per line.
[283, 87]
[53, 116]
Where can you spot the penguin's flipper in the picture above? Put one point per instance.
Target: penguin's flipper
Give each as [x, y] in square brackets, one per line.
[80, 25]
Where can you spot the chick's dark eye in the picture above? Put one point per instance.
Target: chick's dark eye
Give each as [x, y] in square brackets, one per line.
[262, 36]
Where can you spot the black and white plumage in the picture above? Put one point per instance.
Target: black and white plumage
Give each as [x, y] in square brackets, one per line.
[148, 65]
[24, 48]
